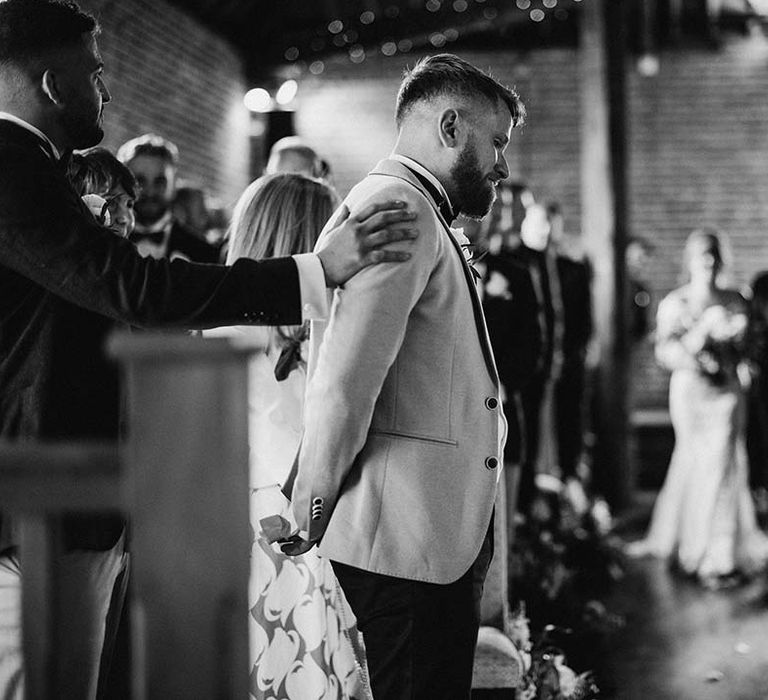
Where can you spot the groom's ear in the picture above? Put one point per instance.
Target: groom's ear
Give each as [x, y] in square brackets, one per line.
[448, 127]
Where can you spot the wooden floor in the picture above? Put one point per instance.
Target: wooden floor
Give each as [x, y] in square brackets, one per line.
[677, 636]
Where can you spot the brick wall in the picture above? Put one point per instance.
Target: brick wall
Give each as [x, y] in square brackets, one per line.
[698, 148]
[169, 74]
[347, 113]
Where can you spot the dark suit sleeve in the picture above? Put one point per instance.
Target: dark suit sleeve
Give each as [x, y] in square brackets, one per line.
[48, 236]
[193, 248]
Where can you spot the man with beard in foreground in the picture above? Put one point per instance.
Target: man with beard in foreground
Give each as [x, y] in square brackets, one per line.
[403, 437]
[65, 281]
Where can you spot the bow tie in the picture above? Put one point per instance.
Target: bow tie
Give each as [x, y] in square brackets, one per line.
[156, 237]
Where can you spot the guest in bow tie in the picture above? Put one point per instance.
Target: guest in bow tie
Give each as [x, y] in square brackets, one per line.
[401, 453]
[65, 281]
[154, 161]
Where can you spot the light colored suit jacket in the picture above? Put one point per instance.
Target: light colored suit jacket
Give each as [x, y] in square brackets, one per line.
[403, 427]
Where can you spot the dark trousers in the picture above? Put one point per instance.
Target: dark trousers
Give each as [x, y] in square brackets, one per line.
[532, 397]
[419, 637]
[569, 417]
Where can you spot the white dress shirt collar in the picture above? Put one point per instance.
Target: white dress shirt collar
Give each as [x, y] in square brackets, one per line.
[6, 116]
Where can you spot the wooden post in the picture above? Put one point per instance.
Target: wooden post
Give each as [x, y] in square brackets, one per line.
[38, 550]
[603, 196]
[186, 473]
[648, 31]
[675, 20]
[38, 482]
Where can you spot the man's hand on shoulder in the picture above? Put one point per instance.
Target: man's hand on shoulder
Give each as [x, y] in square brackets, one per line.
[361, 240]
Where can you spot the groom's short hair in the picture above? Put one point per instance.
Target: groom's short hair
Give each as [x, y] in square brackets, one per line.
[447, 74]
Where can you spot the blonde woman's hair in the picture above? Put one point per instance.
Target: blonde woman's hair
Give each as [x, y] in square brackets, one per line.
[279, 215]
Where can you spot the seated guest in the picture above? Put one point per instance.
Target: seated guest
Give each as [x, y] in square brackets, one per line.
[154, 162]
[283, 215]
[97, 172]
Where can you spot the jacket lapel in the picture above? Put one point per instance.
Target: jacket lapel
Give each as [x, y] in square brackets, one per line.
[392, 168]
[16, 134]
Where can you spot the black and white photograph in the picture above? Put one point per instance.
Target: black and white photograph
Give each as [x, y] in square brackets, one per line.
[383, 349]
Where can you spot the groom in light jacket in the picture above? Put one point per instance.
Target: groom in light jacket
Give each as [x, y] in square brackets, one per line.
[401, 454]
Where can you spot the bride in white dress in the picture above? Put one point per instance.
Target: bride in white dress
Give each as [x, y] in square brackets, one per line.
[304, 640]
[704, 516]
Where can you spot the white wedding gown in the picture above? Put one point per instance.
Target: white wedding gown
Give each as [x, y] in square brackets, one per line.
[704, 515]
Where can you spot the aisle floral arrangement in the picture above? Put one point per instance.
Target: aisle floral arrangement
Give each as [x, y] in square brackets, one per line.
[561, 562]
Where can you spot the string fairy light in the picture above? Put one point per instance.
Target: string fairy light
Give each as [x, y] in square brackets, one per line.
[350, 33]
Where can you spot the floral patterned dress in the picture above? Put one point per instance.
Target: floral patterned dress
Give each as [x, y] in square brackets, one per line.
[704, 515]
[304, 643]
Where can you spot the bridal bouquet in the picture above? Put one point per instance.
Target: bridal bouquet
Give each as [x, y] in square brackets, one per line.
[720, 333]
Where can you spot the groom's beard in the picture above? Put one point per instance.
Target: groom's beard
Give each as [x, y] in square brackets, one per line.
[474, 191]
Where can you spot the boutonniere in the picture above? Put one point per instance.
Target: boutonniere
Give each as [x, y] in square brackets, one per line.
[98, 206]
[472, 253]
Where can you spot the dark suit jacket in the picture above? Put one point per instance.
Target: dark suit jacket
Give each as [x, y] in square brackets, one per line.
[516, 336]
[64, 284]
[513, 322]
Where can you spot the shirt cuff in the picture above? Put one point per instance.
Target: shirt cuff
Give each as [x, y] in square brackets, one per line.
[314, 296]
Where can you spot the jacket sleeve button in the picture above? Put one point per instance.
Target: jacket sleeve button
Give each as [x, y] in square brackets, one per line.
[317, 500]
[491, 463]
[491, 403]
